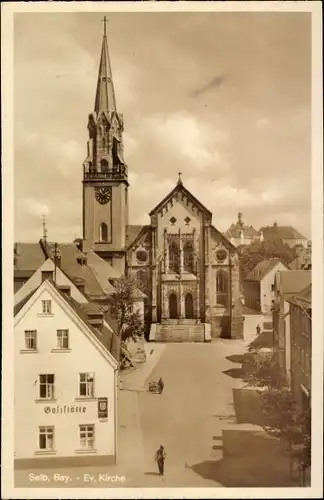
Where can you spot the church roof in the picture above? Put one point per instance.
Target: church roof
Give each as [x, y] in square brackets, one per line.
[105, 94]
[133, 233]
[179, 188]
[224, 238]
[262, 269]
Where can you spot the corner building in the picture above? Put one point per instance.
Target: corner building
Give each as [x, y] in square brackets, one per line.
[187, 269]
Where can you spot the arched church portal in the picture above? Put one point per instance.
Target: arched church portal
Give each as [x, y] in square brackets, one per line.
[173, 306]
[189, 306]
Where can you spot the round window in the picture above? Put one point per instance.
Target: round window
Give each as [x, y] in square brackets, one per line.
[141, 256]
[221, 255]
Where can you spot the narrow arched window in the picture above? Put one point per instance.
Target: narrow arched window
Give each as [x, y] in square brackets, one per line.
[104, 166]
[222, 287]
[174, 257]
[103, 232]
[188, 257]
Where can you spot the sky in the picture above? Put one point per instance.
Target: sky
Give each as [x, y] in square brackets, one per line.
[224, 97]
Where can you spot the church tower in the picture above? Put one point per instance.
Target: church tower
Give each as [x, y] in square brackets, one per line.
[105, 177]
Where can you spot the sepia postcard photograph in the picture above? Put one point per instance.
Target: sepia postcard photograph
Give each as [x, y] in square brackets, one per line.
[162, 187]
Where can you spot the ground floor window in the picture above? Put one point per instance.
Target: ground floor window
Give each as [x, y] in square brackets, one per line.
[87, 436]
[46, 438]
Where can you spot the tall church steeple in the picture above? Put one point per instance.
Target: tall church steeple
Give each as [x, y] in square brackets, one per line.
[105, 95]
[105, 173]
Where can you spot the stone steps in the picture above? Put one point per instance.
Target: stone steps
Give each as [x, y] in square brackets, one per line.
[180, 333]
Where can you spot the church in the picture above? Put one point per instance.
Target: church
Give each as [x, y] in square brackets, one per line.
[187, 269]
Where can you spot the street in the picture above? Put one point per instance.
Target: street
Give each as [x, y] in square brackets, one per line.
[187, 419]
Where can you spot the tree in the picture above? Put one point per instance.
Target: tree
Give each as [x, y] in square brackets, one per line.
[251, 255]
[284, 418]
[121, 306]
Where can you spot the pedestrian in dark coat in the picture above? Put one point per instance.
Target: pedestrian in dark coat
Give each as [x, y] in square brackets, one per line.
[160, 458]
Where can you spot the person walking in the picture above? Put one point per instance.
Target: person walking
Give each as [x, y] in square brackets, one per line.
[160, 458]
[258, 330]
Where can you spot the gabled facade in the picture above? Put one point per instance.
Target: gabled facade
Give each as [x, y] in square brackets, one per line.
[259, 285]
[65, 383]
[188, 269]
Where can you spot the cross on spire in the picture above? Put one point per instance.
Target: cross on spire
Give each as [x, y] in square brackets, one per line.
[179, 177]
[105, 25]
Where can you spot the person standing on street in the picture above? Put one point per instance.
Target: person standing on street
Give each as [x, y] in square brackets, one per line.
[160, 458]
[161, 385]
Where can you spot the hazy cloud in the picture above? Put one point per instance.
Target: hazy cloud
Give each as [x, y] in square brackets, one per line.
[243, 143]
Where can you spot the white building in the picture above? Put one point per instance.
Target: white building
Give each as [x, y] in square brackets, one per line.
[259, 287]
[65, 382]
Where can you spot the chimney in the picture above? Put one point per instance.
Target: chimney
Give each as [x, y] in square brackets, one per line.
[47, 275]
[65, 289]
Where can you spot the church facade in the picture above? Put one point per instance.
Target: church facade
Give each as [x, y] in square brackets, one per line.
[187, 269]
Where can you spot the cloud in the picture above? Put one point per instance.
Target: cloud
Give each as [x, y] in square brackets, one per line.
[34, 206]
[186, 138]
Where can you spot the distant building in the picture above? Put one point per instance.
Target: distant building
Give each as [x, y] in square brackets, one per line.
[287, 234]
[259, 285]
[301, 345]
[241, 234]
[65, 382]
[287, 284]
[303, 259]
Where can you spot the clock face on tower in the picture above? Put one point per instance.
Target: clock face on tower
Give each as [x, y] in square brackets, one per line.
[103, 195]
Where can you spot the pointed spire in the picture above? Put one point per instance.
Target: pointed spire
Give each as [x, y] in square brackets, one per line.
[179, 178]
[105, 95]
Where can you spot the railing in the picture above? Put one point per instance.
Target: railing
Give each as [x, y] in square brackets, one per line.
[119, 173]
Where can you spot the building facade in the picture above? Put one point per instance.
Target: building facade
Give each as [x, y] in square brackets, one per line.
[241, 234]
[287, 284]
[301, 345]
[60, 392]
[187, 269]
[259, 288]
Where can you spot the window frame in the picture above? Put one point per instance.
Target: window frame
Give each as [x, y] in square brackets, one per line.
[62, 338]
[47, 311]
[31, 338]
[49, 386]
[48, 431]
[87, 433]
[87, 384]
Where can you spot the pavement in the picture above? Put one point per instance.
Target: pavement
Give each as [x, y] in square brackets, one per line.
[187, 418]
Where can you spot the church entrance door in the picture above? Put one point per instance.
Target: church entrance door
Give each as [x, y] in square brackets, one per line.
[173, 306]
[189, 311]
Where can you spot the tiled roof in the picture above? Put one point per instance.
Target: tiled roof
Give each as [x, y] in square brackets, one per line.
[29, 256]
[281, 232]
[24, 301]
[292, 282]
[303, 299]
[132, 233]
[234, 231]
[218, 233]
[262, 269]
[95, 274]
